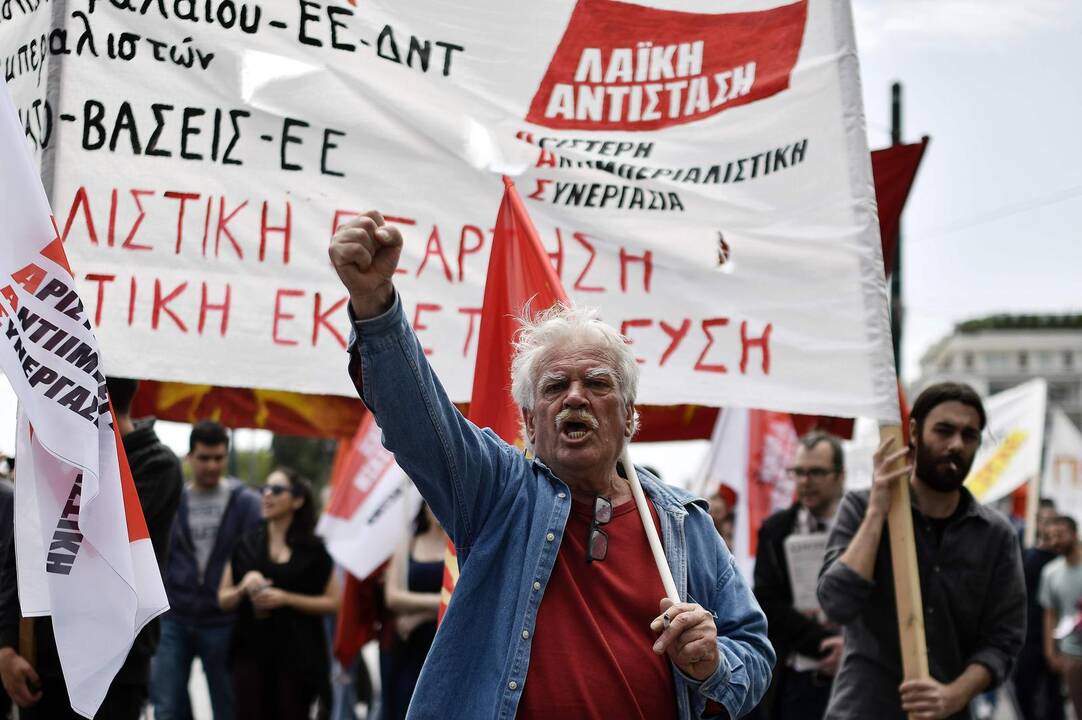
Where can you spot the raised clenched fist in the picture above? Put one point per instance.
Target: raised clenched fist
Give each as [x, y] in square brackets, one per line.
[365, 253]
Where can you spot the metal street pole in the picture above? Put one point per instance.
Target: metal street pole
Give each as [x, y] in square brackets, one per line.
[896, 310]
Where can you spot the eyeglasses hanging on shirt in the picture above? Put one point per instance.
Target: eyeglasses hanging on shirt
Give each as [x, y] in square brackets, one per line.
[597, 541]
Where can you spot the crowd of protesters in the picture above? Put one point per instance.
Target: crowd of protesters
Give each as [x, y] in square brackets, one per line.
[250, 583]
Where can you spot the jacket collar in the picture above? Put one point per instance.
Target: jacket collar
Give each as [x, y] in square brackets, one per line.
[666, 497]
[971, 507]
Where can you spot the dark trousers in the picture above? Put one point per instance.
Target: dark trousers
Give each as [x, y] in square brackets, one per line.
[122, 702]
[268, 693]
[1036, 688]
[802, 696]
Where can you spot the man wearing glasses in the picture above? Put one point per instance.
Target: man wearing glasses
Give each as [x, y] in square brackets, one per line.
[809, 649]
[556, 612]
[970, 570]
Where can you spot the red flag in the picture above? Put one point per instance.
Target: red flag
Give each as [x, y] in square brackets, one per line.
[749, 452]
[358, 617]
[519, 274]
[894, 169]
[371, 505]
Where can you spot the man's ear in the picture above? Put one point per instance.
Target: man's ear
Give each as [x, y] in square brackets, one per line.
[629, 421]
[912, 433]
[528, 423]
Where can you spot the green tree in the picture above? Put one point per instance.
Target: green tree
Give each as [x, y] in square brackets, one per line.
[311, 457]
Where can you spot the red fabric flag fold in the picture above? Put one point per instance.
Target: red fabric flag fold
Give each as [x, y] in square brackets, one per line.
[520, 280]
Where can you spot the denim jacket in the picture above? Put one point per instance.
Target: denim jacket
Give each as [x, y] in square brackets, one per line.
[506, 515]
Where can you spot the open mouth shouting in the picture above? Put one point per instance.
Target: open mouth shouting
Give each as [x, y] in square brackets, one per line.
[575, 425]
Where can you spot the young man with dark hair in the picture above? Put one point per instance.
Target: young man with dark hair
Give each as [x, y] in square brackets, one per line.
[209, 434]
[969, 565]
[214, 512]
[40, 690]
[1060, 595]
[808, 648]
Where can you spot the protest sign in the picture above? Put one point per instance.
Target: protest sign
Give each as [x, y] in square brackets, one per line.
[84, 555]
[371, 506]
[1010, 452]
[803, 558]
[1062, 480]
[699, 174]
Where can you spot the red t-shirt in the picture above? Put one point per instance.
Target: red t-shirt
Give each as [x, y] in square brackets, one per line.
[592, 654]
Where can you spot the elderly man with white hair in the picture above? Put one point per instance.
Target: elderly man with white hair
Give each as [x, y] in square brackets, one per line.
[559, 611]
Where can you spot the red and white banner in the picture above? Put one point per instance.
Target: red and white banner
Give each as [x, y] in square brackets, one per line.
[372, 504]
[84, 554]
[697, 170]
[749, 452]
[687, 66]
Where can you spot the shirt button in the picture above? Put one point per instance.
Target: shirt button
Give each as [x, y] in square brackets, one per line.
[931, 611]
[561, 495]
[536, 585]
[550, 537]
[936, 568]
[512, 685]
[525, 634]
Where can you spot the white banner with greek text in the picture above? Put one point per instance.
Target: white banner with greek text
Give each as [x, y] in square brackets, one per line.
[698, 170]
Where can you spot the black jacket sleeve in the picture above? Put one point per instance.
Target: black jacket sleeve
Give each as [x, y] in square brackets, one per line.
[843, 593]
[9, 587]
[789, 629]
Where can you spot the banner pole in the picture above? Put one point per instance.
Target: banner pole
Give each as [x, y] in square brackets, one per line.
[1033, 502]
[903, 557]
[28, 646]
[651, 532]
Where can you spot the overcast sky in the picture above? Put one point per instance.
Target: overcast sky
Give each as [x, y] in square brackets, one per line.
[992, 224]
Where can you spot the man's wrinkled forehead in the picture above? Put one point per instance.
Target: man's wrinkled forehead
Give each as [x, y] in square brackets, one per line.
[560, 359]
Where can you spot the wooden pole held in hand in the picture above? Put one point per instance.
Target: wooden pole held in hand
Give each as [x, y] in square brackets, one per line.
[903, 557]
[28, 646]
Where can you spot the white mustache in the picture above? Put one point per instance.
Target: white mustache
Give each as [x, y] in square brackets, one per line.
[581, 416]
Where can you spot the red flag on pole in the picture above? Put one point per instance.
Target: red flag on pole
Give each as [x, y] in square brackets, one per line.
[519, 274]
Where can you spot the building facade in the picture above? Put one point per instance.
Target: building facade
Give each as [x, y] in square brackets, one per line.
[998, 352]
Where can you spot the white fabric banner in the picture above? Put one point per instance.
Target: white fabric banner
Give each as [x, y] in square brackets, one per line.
[371, 507]
[84, 553]
[859, 454]
[1010, 453]
[749, 452]
[697, 169]
[1062, 479]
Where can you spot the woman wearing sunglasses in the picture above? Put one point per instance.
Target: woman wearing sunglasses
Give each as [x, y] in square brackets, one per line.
[280, 581]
